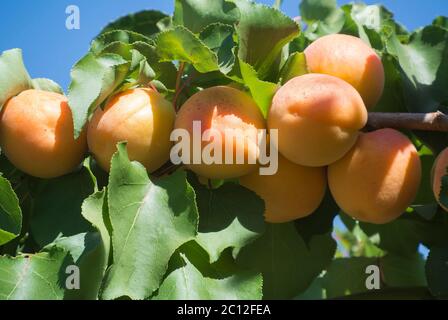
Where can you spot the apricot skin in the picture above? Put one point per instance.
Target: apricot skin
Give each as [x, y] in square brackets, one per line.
[141, 117]
[378, 179]
[350, 59]
[220, 108]
[438, 172]
[37, 136]
[292, 193]
[318, 118]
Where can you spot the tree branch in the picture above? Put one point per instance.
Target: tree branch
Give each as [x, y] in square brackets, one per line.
[435, 121]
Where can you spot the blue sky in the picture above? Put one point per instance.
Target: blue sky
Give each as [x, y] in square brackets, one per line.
[50, 50]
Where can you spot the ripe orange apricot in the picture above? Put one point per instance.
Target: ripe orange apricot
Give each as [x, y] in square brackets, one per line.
[318, 118]
[438, 172]
[350, 59]
[37, 135]
[292, 193]
[378, 179]
[141, 117]
[230, 115]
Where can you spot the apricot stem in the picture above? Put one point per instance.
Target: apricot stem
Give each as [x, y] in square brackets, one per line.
[178, 84]
[433, 121]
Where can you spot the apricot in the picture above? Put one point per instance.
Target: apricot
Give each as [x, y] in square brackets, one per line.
[292, 193]
[318, 118]
[378, 179]
[141, 117]
[350, 59]
[439, 170]
[37, 135]
[232, 118]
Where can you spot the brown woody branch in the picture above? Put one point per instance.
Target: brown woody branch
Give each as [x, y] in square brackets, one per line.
[434, 121]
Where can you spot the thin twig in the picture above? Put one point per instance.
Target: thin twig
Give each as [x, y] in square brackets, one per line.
[434, 121]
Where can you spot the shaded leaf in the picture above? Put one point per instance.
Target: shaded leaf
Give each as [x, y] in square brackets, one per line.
[10, 213]
[348, 276]
[219, 38]
[288, 265]
[424, 64]
[57, 206]
[319, 222]
[437, 271]
[86, 252]
[231, 216]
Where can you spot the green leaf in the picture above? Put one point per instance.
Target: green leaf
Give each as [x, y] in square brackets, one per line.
[10, 213]
[34, 277]
[94, 78]
[57, 206]
[117, 36]
[150, 220]
[219, 38]
[166, 72]
[198, 14]
[95, 210]
[87, 253]
[187, 283]
[287, 263]
[322, 17]
[13, 75]
[260, 25]
[143, 22]
[182, 45]
[222, 268]
[231, 216]
[46, 85]
[437, 271]
[403, 236]
[441, 22]
[371, 23]
[424, 64]
[295, 66]
[262, 91]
